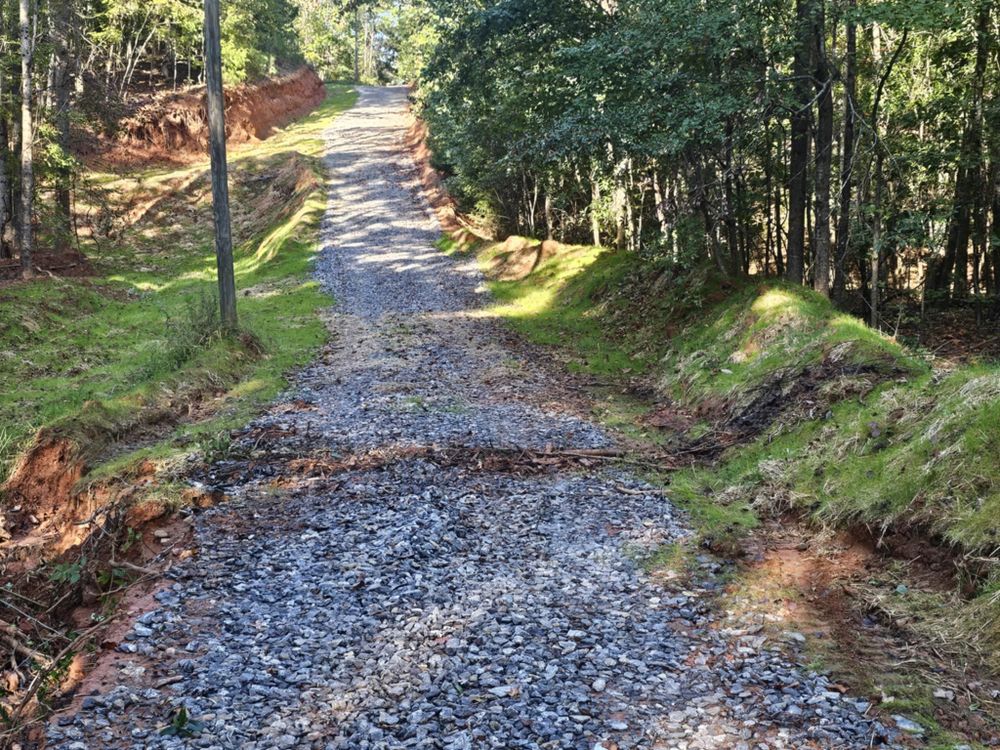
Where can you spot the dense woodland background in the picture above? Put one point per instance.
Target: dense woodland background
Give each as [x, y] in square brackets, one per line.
[72, 72]
[853, 146]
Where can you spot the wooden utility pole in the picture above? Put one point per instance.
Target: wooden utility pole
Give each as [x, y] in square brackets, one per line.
[220, 178]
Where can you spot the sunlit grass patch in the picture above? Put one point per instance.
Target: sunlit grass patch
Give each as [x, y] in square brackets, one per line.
[555, 305]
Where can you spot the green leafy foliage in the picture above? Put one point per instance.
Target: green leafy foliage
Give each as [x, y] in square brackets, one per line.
[70, 572]
[182, 725]
[389, 40]
[589, 120]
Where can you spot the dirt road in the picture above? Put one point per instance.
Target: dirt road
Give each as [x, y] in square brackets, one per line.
[387, 574]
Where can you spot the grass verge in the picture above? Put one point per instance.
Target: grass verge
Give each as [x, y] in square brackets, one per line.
[122, 378]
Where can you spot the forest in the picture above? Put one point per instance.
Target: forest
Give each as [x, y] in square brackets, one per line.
[73, 73]
[850, 146]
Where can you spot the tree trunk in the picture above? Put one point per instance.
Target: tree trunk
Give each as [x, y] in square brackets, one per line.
[6, 251]
[732, 239]
[768, 216]
[954, 270]
[824, 155]
[701, 182]
[846, 163]
[995, 231]
[661, 205]
[27, 137]
[876, 258]
[60, 25]
[980, 243]
[549, 221]
[779, 258]
[357, 43]
[798, 184]
[619, 197]
[595, 202]
[371, 67]
[220, 181]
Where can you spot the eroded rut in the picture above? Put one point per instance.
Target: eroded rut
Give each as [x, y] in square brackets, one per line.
[414, 603]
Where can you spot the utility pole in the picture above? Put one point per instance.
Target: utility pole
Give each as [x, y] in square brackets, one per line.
[220, 178]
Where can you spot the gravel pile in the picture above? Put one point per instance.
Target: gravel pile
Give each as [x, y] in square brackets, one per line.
[415, 606]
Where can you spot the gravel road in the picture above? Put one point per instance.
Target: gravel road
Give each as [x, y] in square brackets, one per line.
[405, 603]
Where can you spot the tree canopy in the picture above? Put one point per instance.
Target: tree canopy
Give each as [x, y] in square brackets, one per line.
[846, 143]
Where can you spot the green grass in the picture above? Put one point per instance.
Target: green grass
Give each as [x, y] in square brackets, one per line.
[707, 337]
[908, 447]
[101, 356]
[720, 522]
[624, 413]
[757, 331]
[556, 304]
[670, 558]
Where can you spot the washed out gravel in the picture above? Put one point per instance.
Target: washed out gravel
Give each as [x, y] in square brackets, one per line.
[415, 606]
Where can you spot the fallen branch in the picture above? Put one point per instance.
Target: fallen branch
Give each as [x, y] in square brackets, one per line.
[42, 675]
[136, 568]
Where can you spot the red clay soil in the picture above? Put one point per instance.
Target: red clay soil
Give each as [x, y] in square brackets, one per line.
[42, 481]
[816, 585]
[442, 203]
[174, 127]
